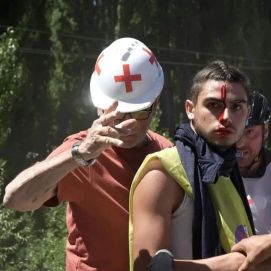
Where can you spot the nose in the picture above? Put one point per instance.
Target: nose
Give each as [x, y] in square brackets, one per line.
[224, 116]
[127, 116]
[129, 124]
[240, 143]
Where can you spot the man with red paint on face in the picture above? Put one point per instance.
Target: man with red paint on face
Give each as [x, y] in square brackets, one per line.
[188, 205]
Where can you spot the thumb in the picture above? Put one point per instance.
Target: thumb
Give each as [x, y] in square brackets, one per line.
[244, 266]
[238, 248]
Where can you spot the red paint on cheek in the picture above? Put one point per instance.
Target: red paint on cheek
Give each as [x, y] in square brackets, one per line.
[223, 92]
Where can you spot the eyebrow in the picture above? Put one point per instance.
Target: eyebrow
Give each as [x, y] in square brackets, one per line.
[239, 101]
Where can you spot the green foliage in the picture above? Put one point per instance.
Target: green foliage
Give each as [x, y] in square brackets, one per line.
[11, 79]
[27, 245]
[14, 233]
[41, 248]
[47, 248]
[154, 126]
[46, 61]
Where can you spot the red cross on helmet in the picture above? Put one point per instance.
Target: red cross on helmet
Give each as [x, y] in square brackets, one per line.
[126, 71]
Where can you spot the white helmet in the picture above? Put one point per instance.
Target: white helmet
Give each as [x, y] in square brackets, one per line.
[126, 71]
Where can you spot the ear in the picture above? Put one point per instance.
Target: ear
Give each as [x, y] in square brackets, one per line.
[248, 111]
[189, 108]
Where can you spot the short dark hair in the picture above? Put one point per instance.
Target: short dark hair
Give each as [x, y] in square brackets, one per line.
[219, 71]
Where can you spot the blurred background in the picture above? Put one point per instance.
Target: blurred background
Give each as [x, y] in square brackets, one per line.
[47, 54]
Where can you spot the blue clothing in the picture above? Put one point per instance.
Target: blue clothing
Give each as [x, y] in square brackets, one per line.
[203, 165]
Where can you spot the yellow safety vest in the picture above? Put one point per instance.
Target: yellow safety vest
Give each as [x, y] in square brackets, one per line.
[232, 220]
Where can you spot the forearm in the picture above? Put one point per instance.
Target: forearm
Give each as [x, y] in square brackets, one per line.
[227, 262]
[36, 184]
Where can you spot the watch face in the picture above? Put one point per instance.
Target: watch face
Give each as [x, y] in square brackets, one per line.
[78, 158]
[75, 154]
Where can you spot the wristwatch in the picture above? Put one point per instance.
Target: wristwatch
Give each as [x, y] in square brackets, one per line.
[162, 260]
[78, 158]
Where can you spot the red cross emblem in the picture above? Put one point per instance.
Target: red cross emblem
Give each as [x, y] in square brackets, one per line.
[127, 77]
[152, 58]
[97, 68]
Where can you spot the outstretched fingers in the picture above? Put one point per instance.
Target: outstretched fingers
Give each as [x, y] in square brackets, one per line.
[104, 142]
[107, 119]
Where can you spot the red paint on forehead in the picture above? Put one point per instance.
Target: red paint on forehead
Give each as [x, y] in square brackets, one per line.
[223, 91]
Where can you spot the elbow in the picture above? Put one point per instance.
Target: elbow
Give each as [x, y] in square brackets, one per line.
[11, 201]
[8, 200]
[142, 260]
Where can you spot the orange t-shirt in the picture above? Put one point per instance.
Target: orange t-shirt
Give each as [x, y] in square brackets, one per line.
[97, 210]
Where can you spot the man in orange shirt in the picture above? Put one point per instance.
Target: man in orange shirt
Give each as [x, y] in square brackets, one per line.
[92, 170]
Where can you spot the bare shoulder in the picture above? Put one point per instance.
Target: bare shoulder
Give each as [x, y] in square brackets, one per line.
[157, 186]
